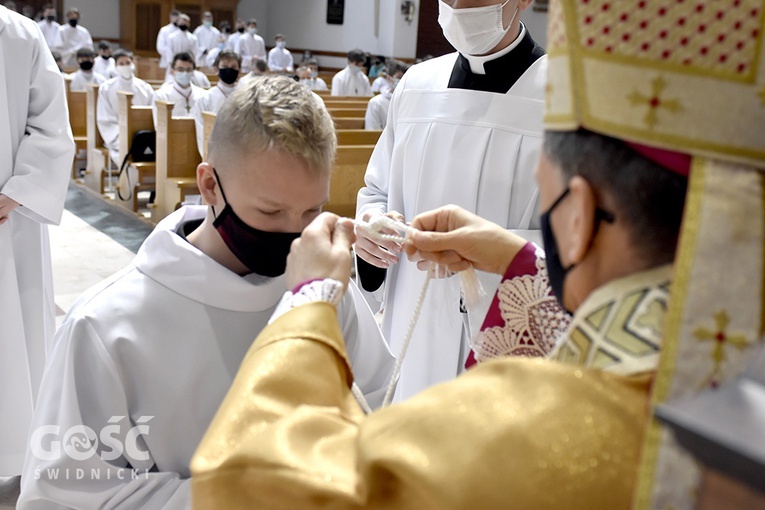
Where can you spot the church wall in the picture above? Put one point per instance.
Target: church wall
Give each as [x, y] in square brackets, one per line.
[100, 17]
[258, 9]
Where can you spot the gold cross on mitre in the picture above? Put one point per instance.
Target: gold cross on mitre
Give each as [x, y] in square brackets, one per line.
[722, 340]
[654, 101]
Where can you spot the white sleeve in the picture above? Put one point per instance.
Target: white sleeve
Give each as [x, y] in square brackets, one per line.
[337, 85]
[371, 360]
[44, 156]
[107, 119]
[272, 65]
[67, 465]
[373, 118]
[161, 42]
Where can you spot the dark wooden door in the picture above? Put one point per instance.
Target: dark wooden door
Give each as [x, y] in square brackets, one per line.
[430, 38]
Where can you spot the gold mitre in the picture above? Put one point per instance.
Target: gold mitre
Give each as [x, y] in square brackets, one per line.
[683, 75]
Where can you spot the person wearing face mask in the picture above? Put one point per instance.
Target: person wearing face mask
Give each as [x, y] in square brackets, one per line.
[104, 63]
[385, 78]
[377, 109]
[472, 121]
[164, 34]
[250, 46]
[79, 79]
[180, 91]
[228, 65]
[280, 58]
[351, 80]
[207, 37]
[182, 41]
[159, 342]
[239, 29]
[49, 25]
[107, 108]
[309, 75]
[72, 37]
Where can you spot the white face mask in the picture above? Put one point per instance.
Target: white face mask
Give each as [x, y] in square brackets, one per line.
[354, 69]
[183, 78]
[473, 30]
[252, 31]
[281, 44]
[126, 71]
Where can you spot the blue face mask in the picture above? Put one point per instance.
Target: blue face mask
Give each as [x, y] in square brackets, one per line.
[555, 269]
[264, 253]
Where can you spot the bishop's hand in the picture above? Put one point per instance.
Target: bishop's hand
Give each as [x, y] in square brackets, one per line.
[322, 251]
[374, 251]
[457, 239]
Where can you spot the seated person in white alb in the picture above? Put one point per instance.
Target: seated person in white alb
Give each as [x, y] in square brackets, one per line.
[80, 78]
[309, 75]
[104, 64]
[351, 80]
[280, 58]
[72, 37]
[227, 65]
[258, 70]
[377, 108]
[155, 348]
[250, 46]
[108, 109]
[178, 90]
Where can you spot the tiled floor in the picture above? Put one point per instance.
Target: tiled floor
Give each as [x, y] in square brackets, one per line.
[94, 240]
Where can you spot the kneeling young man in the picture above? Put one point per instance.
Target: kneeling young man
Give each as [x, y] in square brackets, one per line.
[144, 359]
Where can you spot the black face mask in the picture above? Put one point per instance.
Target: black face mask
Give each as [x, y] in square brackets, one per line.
[86, 65]
[50, 18]
[183, 27]
[228, 75]
[555, 269]
[264, 253]
[175, 23]
[73, 22]
[106, 57]
[240, 30]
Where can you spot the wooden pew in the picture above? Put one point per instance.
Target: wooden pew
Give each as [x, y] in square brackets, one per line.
[347, 103]
[78, 120]
[347, 178]
[147, 68]
[357, 136]
[208, 120]
[349, 122]
[177, 160]
[133, 119]
[347, 112]
[98, 155]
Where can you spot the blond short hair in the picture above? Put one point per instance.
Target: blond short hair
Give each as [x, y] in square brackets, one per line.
[275, 112]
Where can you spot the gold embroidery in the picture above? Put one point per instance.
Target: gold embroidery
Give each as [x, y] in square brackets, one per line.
[722, 339]
[654, 102]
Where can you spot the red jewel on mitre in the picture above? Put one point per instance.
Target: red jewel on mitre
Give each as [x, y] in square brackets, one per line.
[677, 162]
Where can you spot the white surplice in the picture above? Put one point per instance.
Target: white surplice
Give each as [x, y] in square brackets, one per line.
[345, 83]
[71, 39]
[108, 109]
[280, 60]
[50, 31]
[183, 99]
[179, 42]
[445, 146]
[162, 48]
[36, 151]
[377, 110]
[209, 101]
[80, 79]
[106, 67]
[161, 341]
[207, 39]
[250, 46]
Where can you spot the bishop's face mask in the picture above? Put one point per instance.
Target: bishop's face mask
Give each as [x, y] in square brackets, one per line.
[264, 253]
[555, 269]
[473, 30]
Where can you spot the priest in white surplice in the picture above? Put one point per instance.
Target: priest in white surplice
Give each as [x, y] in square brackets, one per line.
[463, 129]
[36, 151]
[108, 107]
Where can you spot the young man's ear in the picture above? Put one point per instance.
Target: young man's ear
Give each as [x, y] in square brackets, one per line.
[208, 184]
[579, 220]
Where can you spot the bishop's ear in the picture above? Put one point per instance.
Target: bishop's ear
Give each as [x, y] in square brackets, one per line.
[208, 185]
[580, 219]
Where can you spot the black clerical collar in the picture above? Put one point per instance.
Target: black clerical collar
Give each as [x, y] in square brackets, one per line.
[501, 73]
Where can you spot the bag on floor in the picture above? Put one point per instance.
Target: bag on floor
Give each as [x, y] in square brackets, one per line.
[142, 149]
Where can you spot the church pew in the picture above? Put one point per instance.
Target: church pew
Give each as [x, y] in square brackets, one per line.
[347, 178]
[347, 112]
[147, 68]
[133, 119]
[357, 136]
[208, 121]
[349, 122]
[346, 103]
[78, 121]
[98, 155]
[177, 160]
